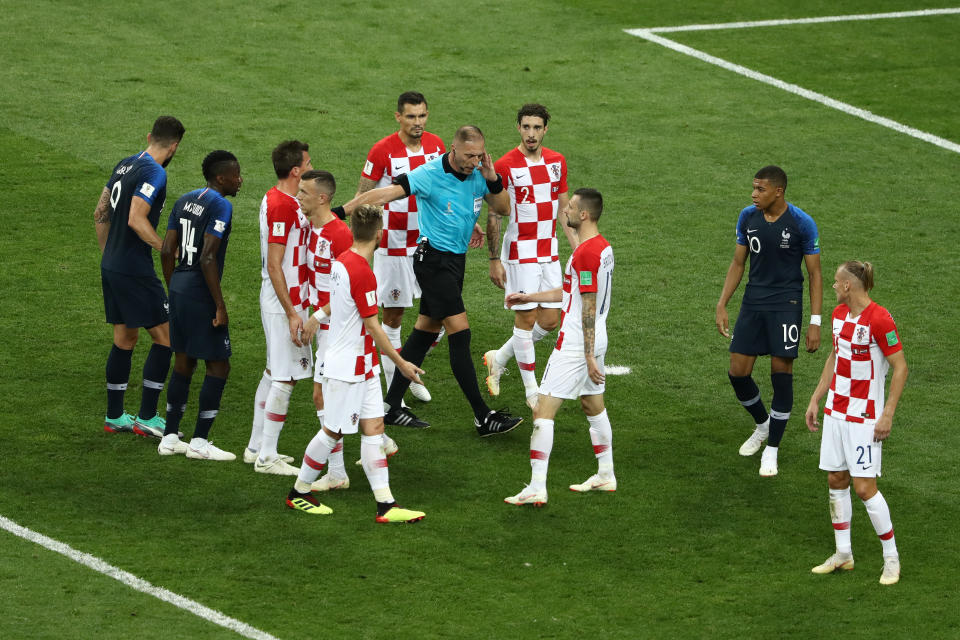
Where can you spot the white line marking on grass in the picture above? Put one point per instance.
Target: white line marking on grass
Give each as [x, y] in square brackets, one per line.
[134, 582]
[778, 23]
[616, 370]
[648, 34]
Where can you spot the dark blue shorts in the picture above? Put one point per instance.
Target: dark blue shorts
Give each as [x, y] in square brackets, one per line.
[440, 276]
[761, 333]
[135, 301]
[192, 331]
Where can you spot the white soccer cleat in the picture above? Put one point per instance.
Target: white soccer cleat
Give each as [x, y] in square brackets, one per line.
[528, 496]
[330, 482]
[838, 560]
[768, 462]
[275, 467]
[596, 482]
[420, 392]
[752, 444]
[891, 571]
[494, 372]
[171, 446]
[250, 456]
[205, 450]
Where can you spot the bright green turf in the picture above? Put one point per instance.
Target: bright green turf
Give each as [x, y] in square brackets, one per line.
[693, 544]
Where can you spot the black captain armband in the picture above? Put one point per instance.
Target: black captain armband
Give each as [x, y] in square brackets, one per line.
[495, 186]
[404, 182]
[340, 212]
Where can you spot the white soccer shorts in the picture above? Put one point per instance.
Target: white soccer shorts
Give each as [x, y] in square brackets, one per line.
[321, 352]
[346, 403]
[285, 360]
[532, 277]
[396, 284]
[566, 376]
[849, 446]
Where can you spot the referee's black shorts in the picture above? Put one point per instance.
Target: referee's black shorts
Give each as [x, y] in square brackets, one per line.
[440, 276]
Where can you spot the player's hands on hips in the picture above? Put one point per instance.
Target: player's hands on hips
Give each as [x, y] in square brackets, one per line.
[310, 328]
[813, 338]
[476, 238]
[498, 275]
[296, 329]
[516, 298]
[410, 371]
[594, 371]
[723, 322]
[810, 417]
[882, 429]
[220, 320]
[486, 167]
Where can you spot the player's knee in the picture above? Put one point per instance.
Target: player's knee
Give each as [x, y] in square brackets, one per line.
[218, 369]
[838, 479]
[866, 488]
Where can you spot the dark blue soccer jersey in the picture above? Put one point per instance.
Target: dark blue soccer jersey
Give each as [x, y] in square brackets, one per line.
[137, 176]
[195, 214]
[776, 255]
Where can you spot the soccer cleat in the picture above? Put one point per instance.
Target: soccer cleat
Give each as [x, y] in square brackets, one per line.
[207, 451]
[595, 483]
[496, 422]
[420, 392]
[330, 482]
[403, 417]
[528, 496]
[276, 467]
[494, 370]
[396, 514]
[752, 444]
[891, 571]
[123, 424]
[152, 428]
[307, 503]
[768, 462]
[171, 446]
[837, 561]
[251, 456]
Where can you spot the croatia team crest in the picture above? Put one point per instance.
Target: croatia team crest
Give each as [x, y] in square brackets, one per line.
[354, 417]
[395, 294]
[555, 170]
[323, 246]
[304, 363]
[861, 333]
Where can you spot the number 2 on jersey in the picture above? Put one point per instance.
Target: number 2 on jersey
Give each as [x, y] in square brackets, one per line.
[523, 195]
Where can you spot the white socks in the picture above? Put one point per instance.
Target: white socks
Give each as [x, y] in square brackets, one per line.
[541, 444]
[879, 514]
[375, 466]
[275, 414]
[601, 435]
[259, 401]
[841, 510]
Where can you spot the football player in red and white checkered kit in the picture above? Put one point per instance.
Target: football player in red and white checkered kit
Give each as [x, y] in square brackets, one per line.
[528, 262]
[858, 416]
[575, 369]
[351, 385]
[284, 299]
[394, 156]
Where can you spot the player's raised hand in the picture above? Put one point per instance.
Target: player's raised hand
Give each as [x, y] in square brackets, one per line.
[813, 338]
[221, 318]
[410, 371]
[810, 417]
[723, 322]
[486, 167]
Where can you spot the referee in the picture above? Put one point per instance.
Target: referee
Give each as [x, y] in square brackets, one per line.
[449, 191]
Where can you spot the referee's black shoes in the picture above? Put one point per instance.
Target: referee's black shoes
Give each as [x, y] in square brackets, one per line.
[403, 417]
[496, 422]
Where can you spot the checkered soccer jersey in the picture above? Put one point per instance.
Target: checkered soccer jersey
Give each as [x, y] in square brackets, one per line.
[325, 243]
[861, 345]
[282, 222]
[589, 269]
[534, 188]
[388, 159]
[351, 355]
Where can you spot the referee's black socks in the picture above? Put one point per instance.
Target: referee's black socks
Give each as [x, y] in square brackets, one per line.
[461, 363]
[414, 350]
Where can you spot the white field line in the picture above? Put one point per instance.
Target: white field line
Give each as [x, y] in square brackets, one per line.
[616, 370]
[943, 143]
[778, 23]
[134, 582]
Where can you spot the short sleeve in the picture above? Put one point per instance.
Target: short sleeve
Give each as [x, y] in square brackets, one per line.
[811, 238]
[376, 162]
[563, 175]
[419, 181]
[503, 170]
[281, 220]
[363, 288]
[153, 182]
[220, 218]
[884, 331]
[742, 226]
[341, 241]
[586, 264]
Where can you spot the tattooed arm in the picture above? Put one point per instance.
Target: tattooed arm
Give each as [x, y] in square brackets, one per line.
[589, 336]
[101, 218]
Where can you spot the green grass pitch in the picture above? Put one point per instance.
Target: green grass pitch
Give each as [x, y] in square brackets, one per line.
[693, 544]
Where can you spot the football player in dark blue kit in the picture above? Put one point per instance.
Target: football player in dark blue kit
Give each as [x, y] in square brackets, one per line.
[126, 219]
[192, 258]
[778, 236]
